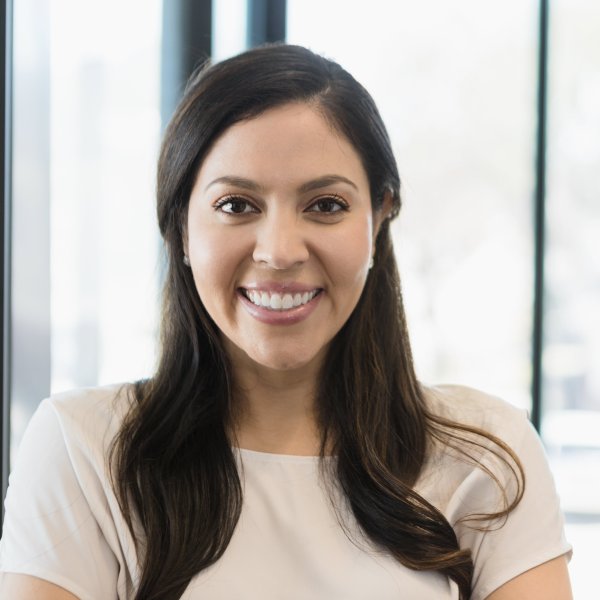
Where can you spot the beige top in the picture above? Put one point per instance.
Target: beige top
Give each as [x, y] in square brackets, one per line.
[63, 524]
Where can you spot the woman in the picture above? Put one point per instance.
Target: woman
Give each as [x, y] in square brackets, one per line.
[284, 448]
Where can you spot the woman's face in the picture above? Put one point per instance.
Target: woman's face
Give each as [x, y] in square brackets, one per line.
[280, 233]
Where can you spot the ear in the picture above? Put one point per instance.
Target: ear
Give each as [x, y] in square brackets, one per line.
[382, 213]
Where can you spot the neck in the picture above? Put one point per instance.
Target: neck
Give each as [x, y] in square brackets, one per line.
[275, 410]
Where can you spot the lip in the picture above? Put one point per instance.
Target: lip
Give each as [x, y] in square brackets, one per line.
[280, 317]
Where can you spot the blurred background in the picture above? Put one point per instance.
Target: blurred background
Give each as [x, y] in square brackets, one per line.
[494, 113]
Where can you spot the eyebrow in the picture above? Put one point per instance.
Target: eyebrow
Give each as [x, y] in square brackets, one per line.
[324, 181]
[309, 186]
[241, 182]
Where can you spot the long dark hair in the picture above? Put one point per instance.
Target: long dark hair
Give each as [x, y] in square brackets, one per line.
[174, 470]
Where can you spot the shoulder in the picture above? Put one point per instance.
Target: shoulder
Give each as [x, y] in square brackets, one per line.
[63, 521]
[473, 475]
[470, 428]
[463, 402]
[70, 433]
[475, 435]
[106, 404]
[66, 444]
[89, 416]
[474, 408]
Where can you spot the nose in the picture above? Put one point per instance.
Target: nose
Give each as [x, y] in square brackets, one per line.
[280, 242]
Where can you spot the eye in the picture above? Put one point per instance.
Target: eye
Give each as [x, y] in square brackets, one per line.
[328, 205]
[235, 205]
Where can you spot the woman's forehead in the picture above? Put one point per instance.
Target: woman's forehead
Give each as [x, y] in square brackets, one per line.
[293, 142]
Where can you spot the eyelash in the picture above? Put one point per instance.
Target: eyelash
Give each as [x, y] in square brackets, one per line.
[338, 200]
[234, 199]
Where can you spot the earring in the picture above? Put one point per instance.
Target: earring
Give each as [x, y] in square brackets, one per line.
[186, 260]
[371, 262]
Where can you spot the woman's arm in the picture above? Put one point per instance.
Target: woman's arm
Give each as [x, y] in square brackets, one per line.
[549, 581]
[26, 587]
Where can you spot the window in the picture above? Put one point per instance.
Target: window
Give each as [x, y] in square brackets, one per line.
[459, 103]
[104, 135]
[571, 370]
[85, 246]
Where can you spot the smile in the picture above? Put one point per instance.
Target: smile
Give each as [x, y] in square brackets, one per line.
[279, 302]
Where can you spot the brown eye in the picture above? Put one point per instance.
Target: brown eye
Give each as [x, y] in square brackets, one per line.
[234, 205]
[328, 205]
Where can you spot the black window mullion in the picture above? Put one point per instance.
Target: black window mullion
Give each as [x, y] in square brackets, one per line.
[186, 42]
[539, 219]
[5, 171]
[266, 21]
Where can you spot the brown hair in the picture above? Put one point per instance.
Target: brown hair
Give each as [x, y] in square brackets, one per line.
[173, 467]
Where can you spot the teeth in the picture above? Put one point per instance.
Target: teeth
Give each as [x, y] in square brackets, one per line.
[275, 301]
[279, 301]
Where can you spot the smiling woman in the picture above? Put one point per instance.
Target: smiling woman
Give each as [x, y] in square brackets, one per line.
[284, 447]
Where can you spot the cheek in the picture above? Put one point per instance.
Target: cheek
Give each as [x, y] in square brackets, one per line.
[216, 259]
[348, 255]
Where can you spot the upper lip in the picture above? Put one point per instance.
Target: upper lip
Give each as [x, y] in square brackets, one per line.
[280, 287]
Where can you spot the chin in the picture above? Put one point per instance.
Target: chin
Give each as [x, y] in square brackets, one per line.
[287, 360]
[283, 363]
[278, 357]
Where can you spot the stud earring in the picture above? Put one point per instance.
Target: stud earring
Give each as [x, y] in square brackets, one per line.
[371, 262]
[186, 260]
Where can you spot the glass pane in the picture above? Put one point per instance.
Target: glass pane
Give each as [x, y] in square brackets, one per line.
[229, 28]
[105, 128]
[571, 424]
[85, 132]
[29, 278]
[455, 86]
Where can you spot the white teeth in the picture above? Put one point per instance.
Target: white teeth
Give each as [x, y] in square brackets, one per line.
[277, 301]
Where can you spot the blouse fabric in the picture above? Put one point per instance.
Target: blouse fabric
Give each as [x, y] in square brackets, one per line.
[63, 523]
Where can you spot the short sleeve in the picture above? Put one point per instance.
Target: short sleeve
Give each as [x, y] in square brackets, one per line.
[532, 534]
[49, 530]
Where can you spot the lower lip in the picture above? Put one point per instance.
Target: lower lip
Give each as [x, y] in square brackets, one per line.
[280, 317]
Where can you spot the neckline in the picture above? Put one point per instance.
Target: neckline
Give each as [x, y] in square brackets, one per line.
[271, 457]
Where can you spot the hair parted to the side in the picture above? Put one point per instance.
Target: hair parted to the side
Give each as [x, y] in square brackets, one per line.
[174, 471]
